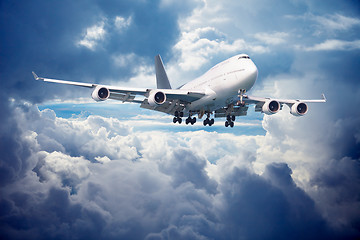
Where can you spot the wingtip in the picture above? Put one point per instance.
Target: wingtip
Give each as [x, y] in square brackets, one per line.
[323, 96]
[36, 76]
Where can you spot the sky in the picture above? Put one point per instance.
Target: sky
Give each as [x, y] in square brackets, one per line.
[71, 168]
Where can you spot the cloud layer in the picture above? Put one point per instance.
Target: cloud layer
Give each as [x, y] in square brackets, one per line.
[146, 186]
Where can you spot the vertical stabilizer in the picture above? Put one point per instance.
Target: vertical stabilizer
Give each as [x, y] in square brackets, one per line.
[162, 81]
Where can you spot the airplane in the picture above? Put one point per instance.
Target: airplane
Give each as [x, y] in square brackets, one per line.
[220, 92]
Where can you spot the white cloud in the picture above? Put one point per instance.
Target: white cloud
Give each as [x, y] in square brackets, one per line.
[205, 35]
[206, 14]
[126, 60]
[274, 38]
[122, 23]
[337, 22]
[199, 46]
[144, 78]
[59, 166]
[334, 44]
[93, 35]
[330, 25]
[143, 73]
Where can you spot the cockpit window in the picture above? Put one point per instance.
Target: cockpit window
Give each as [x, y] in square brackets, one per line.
[247, 57]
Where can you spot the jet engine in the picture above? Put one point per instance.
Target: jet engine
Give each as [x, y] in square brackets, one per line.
[271, 107]
[156, 98]
[299, 109]
[100, 93]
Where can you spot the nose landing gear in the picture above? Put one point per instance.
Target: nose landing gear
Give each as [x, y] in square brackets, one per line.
[241, 93]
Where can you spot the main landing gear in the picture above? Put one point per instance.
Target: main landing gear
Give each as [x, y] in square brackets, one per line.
[230, 121]
[208, 121]
[190, 120]
[178, 116]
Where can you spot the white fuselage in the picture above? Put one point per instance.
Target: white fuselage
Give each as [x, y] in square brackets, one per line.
[222, 83]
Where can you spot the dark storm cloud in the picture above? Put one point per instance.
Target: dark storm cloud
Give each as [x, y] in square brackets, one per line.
[13, 149]
[262, 207]
[339, 187]
[189, 169]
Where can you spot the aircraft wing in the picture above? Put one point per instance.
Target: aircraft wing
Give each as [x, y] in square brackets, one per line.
[260, 101]
[239, 109]
[256, 100]
[176, 99]
[298, 107]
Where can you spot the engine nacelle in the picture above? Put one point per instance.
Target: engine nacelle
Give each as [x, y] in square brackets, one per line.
[299, 109]
[271, 107]
[100, 93]
[156, 98]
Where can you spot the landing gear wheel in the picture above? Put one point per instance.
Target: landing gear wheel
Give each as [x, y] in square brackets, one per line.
[210, 122]
[226, 124]
[181, 114]
[179, 120]
[233, 118]
[174, 119]
[228, 118]
[190, 120]
[231, 124]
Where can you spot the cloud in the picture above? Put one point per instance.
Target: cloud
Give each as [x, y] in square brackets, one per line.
[335, 179]
[93, 35]
[335, 45]
[337, 22]
[121, 23]
[272, 38]
[257, 199]
[125, 60]
[197, 47]
[311, 145]
[145, 185]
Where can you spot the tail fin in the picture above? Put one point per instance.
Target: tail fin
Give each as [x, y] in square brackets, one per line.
[162, 80]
